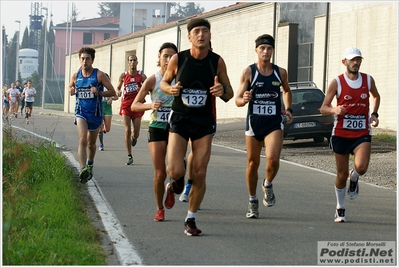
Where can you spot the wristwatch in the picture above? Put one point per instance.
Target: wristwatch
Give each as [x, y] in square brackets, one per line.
[375, 114]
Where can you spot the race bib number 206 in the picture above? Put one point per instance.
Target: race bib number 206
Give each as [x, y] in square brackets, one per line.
[354, 122]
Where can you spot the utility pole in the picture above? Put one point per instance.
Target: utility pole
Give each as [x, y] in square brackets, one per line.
[45, 58]
[17, 52]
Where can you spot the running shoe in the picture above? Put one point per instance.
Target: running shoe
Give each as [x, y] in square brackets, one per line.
[16, 115]
[27, 122]
[190, 228]
[184, 196]
[170, 196]
[269, 198]
[129, 161]
[86, 174]
[101, 147]
[340, 215]
[134, 141]
[253, 212]
[353, 189]
[160, 216]
[178, 185]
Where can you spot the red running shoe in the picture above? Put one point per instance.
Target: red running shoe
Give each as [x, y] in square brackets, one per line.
[160, 216]
[170, 196]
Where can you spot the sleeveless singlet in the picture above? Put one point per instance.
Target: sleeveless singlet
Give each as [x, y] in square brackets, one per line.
[354, 96]
[265, 106]
[87, 103]
[132, 85]
[196, 77]
[159, 118]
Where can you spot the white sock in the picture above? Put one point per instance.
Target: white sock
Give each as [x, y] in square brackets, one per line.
[354, 176]
[340, 194]
[266, 183]
[253, 198]
[190, 214]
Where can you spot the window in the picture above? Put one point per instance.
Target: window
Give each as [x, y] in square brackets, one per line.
[107, 35]
[87, 39]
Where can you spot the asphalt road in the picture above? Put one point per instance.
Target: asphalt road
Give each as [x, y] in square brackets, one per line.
[286, 234]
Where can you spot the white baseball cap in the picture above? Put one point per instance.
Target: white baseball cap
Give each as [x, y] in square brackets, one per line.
[352, 52]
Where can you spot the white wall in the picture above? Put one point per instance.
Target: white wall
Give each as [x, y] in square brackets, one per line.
[370, 26]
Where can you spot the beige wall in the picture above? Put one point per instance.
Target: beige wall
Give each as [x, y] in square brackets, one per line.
[319, 52]
[370, 26]
[281, 46]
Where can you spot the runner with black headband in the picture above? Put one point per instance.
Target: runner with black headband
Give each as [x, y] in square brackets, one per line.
[260, 87]
[200, 75]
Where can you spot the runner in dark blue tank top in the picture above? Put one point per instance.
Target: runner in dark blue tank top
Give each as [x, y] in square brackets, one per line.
[200, 75]
[87, 84]
[260, 87]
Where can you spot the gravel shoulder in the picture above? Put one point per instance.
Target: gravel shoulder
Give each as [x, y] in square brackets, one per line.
[382, 169]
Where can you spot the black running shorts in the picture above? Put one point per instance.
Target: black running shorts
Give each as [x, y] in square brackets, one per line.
[341, 145]
[158, 134]
[191, 127]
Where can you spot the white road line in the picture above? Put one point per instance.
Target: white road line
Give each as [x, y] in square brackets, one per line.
[300, 165]
[126, 252]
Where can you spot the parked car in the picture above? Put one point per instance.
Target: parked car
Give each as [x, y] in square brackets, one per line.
[308, 122]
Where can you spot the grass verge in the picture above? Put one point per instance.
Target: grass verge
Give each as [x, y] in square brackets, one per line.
[45, 220]
[384, 137]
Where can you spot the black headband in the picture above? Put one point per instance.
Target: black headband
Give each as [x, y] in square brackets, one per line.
[267, 41]
[190, 26]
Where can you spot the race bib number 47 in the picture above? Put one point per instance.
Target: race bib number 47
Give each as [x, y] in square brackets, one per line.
[163, 114]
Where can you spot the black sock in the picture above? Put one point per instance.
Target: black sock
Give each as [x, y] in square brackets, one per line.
[100, 136]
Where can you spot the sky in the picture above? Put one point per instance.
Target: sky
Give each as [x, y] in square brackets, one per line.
[20, 10]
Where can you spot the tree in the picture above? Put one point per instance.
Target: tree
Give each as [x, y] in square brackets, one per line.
[11, 58]
[189, 9]
[25, 39]
[50, 46]
[109, 9]
[4, 54]
[75, 13]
